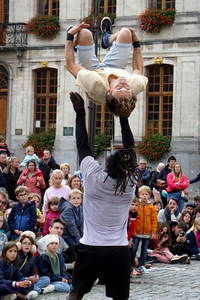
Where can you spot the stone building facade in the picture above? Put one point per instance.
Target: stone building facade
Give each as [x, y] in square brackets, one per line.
[177, 48]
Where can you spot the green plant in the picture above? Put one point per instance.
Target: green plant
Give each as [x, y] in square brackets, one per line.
[89, 19]
[154, 20]
[44, 27]
[102, 142]
[40, 141]
[153, 146]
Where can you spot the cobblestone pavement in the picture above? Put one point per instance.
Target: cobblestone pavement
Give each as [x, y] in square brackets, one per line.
[163, 281]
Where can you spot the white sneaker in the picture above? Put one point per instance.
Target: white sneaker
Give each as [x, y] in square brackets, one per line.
[143, 269]
[48, 289]
[177, 259]
[31, 295]
[96, 281]
[9, 297]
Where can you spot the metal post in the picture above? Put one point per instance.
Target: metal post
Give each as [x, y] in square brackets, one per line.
[93, 105]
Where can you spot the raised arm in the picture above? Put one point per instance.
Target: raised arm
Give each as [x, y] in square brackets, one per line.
[71, 66]
[137, 55]
[127, 136]
[81, 132]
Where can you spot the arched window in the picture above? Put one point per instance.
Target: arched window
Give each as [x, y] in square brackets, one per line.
[48, 7]
[161, 4]
[45, 100]
[159, 103]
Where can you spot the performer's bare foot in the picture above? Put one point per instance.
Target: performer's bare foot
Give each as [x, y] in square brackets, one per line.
[77, 101]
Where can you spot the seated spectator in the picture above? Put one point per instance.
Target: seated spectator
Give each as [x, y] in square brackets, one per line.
[176, 182]
[52, 212]
[12, 282]
[74, 182]
[38, 229]
[158, 205]
[178, 245]
[3, 146]
[163, 175]
[51, 264]
[197, 200]
[3, 205]
[57, 227]
[56, 188]
[11, 174]
[72, 214]
[23, 215]
[193, 240]
[3, 237]
[197, 212]
[154, 187]
[32, 178]
[27, 265]
[30, 155]
[66, 170]
[187, 218]
[170, 212]
[190, 207]
[162, 252]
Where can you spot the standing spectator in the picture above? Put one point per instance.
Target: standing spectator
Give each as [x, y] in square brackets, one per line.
[47, 165]
[23, 215]
[3, 146]
[156, 190]
[11, 174]
[56, 188]
[74, 182]
[2, 182]
[32, 178]
[176, 182]
[3, 161]
[170, 212]
[72, 214]
[146, 175]
[146, 225]
[30, 155]
[66, 169]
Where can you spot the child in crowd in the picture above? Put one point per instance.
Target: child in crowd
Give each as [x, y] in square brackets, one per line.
[146, 225]
[158, 206]
[12, 282]
[66, 169]
[197, 212]
[3, 146]
[131, 229]
[187, 218]
[56, 188]
[193, 240]
[190, 207]
[27, 262]
[162, 251]
[178, 238]
[23, 215]
[3, 237]
[51, 264]
[29, 156]
[38, 229]
[52, 212]
[72, 214]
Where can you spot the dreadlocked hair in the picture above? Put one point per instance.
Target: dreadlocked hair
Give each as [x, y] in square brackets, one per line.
[122, 166]
[121, 107]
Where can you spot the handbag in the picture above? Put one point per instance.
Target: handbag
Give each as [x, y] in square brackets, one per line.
[184, 196]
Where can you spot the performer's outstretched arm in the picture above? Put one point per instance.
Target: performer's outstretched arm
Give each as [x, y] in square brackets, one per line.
[81, 132]
[127, 136]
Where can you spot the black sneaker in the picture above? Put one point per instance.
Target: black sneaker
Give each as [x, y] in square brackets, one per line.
[68, 28]
[106, 26]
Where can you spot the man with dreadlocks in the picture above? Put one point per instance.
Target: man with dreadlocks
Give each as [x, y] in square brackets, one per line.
[108, 81]
[103, 249]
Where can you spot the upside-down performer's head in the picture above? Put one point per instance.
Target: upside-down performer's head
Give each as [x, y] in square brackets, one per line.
[122, 166]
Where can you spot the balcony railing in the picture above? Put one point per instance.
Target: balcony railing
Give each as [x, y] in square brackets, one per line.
[13, 35]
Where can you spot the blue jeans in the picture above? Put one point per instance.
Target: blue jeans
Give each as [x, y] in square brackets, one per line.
[42, 282]
[143, 254]
[61, 286]
[177, 195]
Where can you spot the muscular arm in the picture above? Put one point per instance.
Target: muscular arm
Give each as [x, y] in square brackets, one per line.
[127, 136]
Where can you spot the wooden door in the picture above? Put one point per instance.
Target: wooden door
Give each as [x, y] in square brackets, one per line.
[3, 110]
